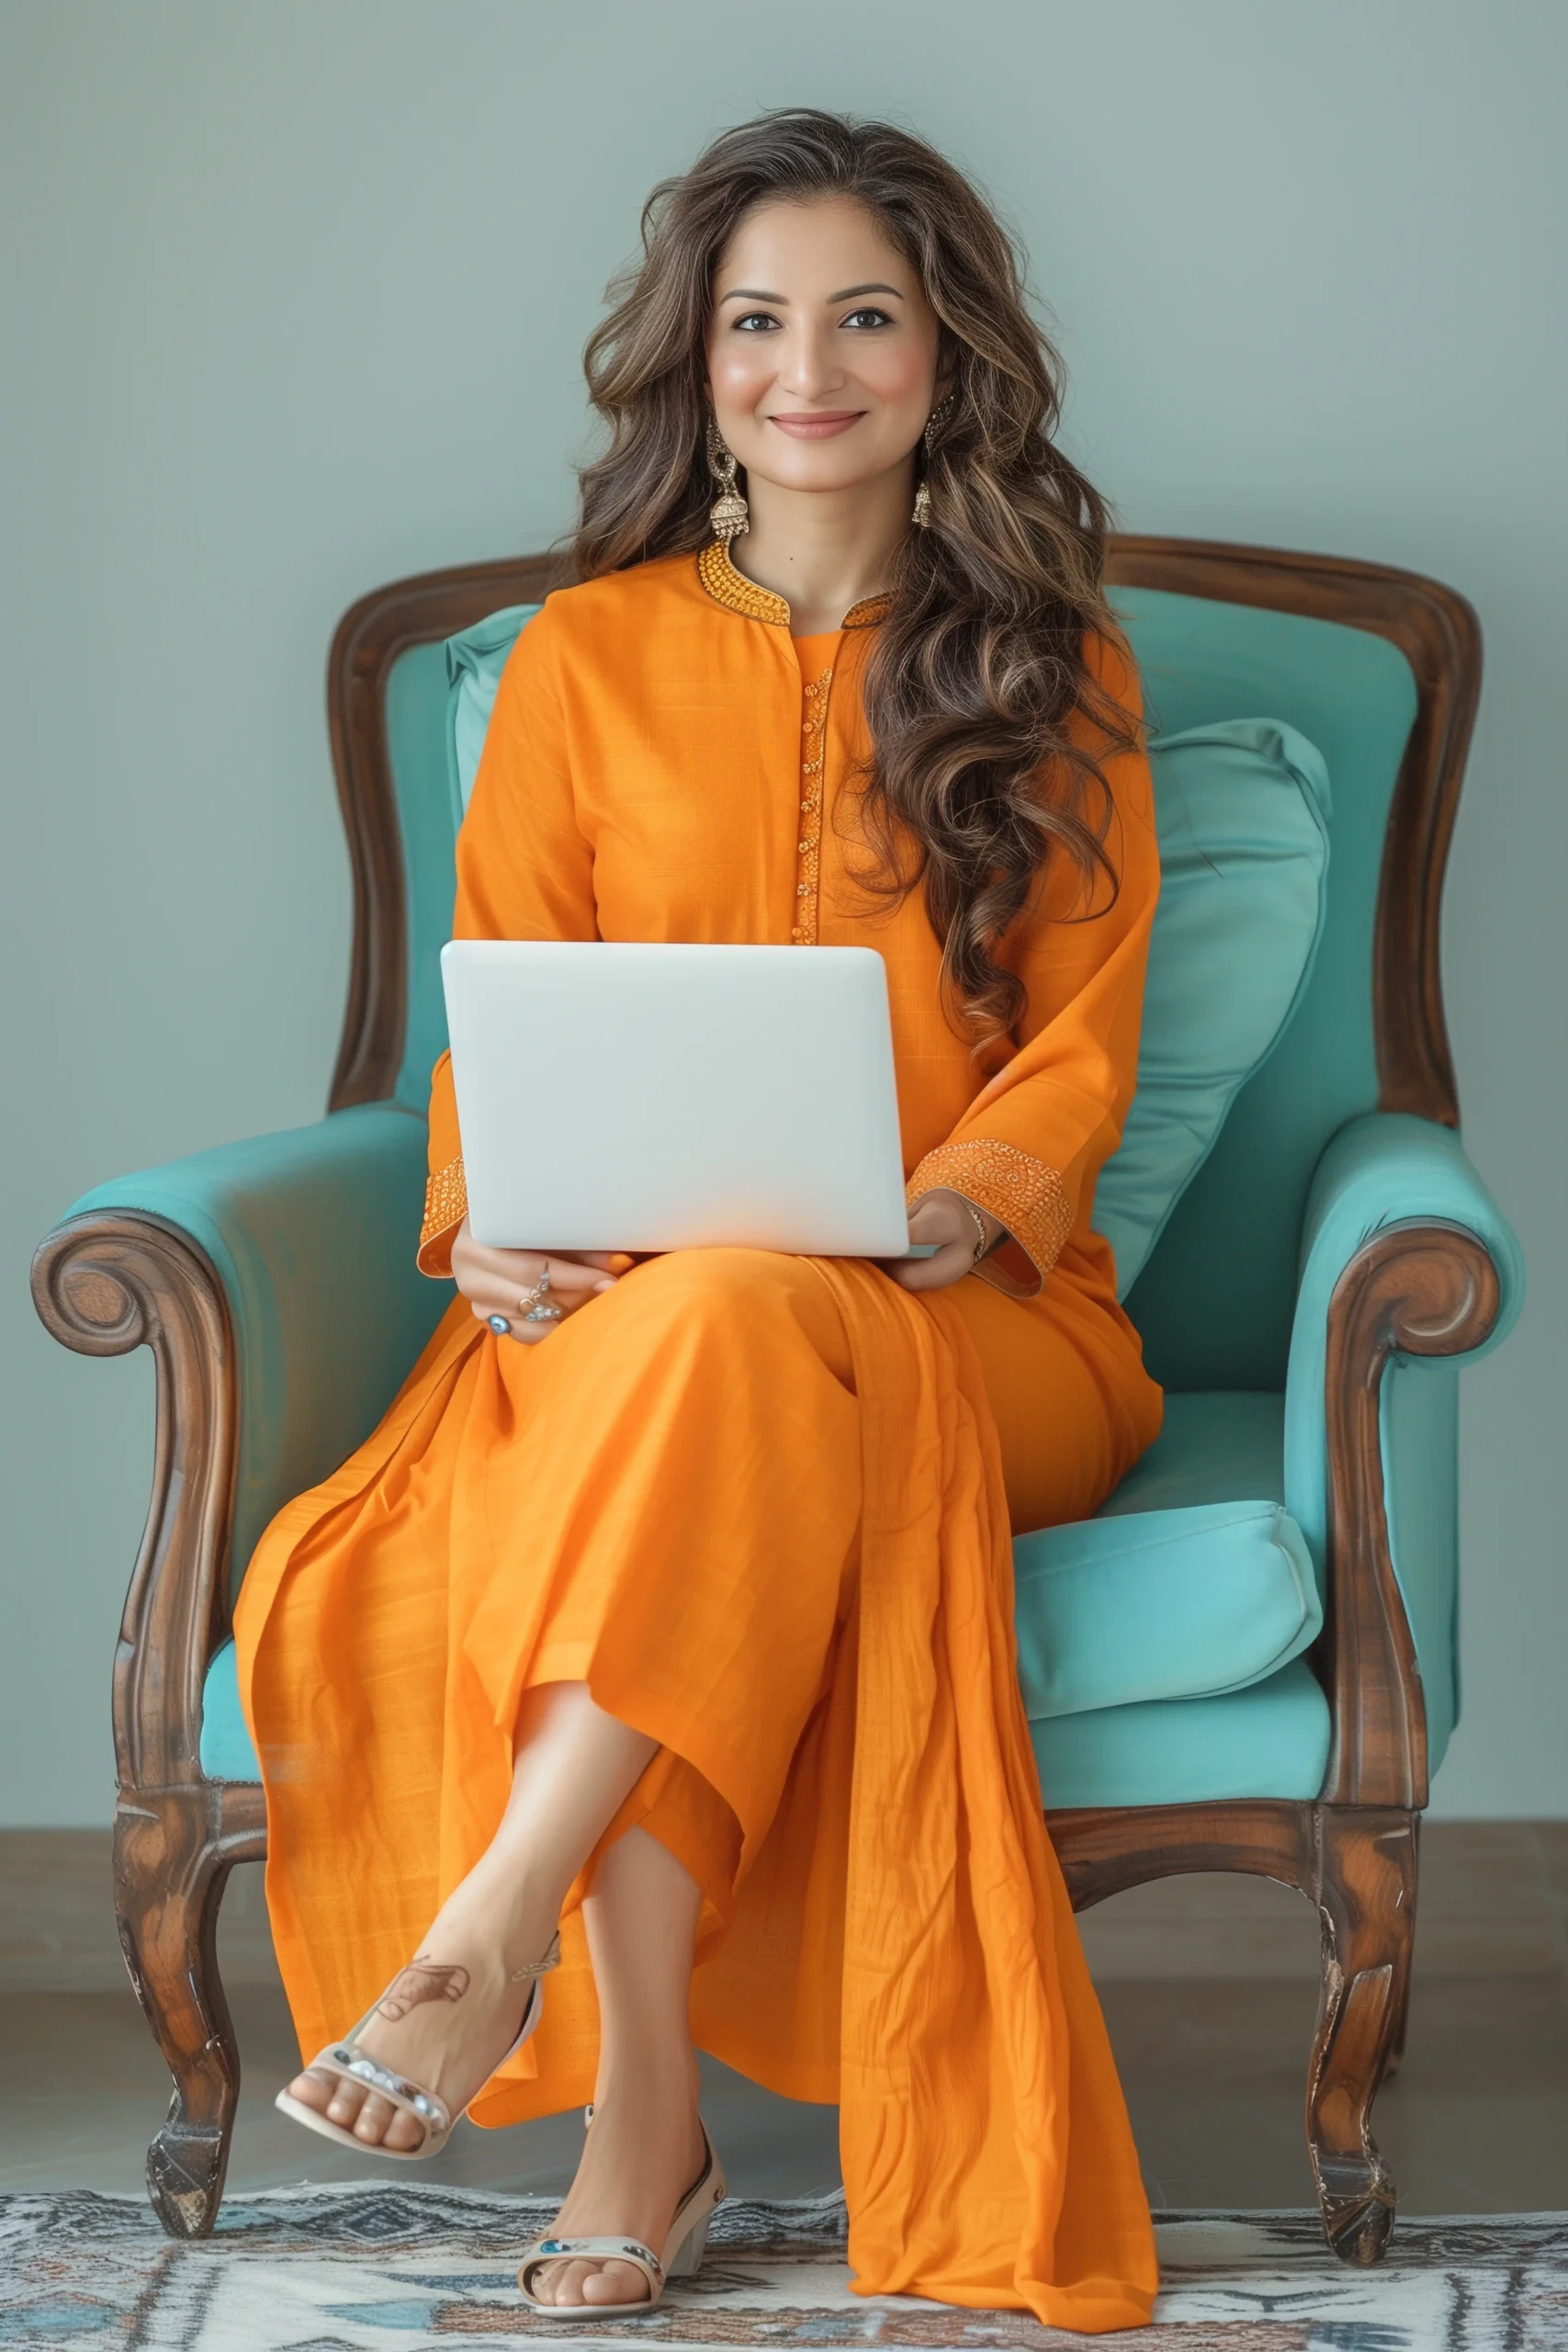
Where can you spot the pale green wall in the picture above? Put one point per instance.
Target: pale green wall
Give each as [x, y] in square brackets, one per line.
[292, 300]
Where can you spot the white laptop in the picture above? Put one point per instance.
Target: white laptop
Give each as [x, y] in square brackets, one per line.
[623, 1097]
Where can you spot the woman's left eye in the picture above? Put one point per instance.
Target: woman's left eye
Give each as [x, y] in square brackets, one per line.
[868, 318]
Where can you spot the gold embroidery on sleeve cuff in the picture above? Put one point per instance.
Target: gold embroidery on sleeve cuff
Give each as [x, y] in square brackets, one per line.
[446, 1206]
[1025, 1194]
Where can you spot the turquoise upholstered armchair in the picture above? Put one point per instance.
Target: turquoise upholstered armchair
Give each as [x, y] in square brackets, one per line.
[1200, 1700]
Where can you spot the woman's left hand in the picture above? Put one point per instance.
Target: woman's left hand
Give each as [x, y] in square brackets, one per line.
[947, 1219]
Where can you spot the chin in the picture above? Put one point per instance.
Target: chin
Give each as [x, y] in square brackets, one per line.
[823, 476]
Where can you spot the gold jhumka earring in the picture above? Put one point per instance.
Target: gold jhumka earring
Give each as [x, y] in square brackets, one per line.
[921, 516]
[729, 513]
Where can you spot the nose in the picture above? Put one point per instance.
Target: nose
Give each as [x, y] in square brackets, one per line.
[809, 368]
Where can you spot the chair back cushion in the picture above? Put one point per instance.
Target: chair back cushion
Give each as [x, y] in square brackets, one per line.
[1215, 1297]
[1215, 1301]
[1242, 808]
[475, 661]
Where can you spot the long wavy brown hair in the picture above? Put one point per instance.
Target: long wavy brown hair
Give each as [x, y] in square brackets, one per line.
[975, 782]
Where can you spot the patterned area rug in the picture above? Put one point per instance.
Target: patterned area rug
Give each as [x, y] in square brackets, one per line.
[395, 2270]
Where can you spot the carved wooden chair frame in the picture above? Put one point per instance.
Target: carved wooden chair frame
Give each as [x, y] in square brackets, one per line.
[106, 1283]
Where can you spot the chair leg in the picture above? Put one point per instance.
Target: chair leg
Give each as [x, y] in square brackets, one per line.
[1365, 1897]
[1397, 2034]
[170, 1869]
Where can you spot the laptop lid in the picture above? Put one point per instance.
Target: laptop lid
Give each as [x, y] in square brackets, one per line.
[616, 1096]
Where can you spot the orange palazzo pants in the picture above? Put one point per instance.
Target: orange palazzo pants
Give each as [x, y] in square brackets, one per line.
[755, 1502]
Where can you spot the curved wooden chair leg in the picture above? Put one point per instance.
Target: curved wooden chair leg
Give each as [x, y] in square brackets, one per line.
[171, 1864]
[1398, 2032]
[1366, 1896]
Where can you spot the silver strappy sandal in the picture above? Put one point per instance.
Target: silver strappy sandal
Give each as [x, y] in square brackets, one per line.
[682, 2258]
[346, 2060]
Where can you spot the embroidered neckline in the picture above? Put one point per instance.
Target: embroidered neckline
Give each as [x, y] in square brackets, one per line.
[731, 588]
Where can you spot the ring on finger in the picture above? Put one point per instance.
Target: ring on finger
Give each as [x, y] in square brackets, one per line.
[535, 1304]
[499, 1326]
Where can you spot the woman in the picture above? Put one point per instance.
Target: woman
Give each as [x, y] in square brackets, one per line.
[670, 1607]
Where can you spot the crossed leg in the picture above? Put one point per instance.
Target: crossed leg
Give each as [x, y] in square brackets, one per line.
[451, 2015]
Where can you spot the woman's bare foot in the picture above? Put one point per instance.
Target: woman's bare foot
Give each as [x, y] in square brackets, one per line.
[644, 2150]
[446, 2021]
[456, 2009]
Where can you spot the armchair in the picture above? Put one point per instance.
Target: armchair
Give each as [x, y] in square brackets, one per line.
[1306, 1308]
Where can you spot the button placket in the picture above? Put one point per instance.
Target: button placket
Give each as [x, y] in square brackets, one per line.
[808, 848]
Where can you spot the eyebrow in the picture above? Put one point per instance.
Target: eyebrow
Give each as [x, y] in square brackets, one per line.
[758, 294]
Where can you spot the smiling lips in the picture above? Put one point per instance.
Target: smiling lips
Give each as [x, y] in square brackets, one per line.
[819, 424]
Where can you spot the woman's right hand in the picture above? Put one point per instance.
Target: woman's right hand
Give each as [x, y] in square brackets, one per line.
[495, 1282]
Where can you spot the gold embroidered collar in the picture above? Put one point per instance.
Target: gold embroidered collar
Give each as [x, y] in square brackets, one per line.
[727, 586]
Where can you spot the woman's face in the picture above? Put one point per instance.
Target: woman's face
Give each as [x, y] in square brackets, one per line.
[822, 354]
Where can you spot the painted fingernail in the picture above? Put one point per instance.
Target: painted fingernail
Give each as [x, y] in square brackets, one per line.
[603, 1286]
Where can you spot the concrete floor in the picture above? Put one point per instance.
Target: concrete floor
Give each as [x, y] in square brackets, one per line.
[1209, 1988]
[1477, 2121]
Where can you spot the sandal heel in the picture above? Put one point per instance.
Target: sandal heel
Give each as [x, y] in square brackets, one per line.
[688, 2258]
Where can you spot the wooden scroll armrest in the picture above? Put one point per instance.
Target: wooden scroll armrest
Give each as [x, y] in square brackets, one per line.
[1423, 1290]
[1405, 1252]
[273, 1281]
[103, 1284]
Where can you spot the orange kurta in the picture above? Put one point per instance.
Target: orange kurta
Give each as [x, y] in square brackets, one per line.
[760, 1504]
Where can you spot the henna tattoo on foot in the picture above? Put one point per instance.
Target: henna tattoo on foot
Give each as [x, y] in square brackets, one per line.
[421, 1980]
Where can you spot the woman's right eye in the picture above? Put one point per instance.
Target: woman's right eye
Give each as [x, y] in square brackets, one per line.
[754, 321]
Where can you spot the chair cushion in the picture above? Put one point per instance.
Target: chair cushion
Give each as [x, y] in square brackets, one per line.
[1242, 810]
[1271, 1740]
[1164, 1604]
[1191, 1580]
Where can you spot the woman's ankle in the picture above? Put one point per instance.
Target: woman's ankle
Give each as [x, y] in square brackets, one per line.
[648, 2081]
[510, 1918]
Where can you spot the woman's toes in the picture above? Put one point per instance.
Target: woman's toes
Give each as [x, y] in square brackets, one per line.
[617, 2283]
[375, 2116]
[344, 2104]
[313, 2090]
[405, 2132]
[562, 2282]
[567, 2283]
